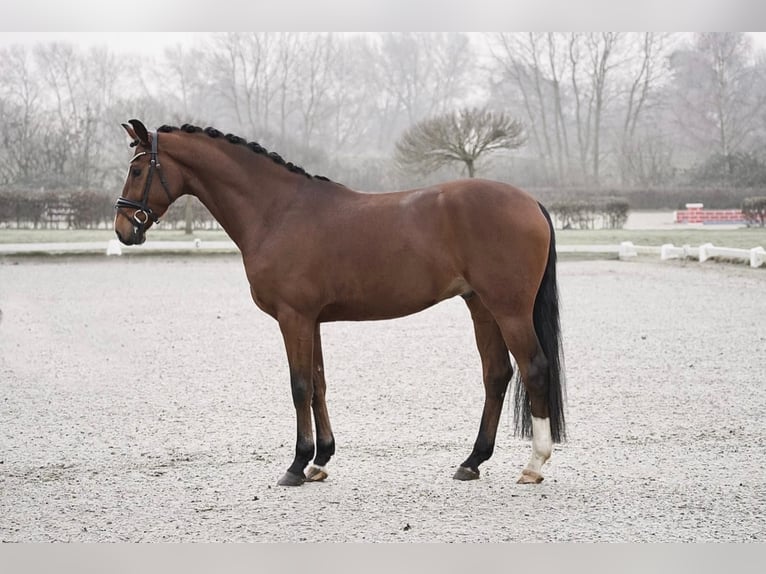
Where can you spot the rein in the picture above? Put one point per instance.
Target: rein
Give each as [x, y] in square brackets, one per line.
[142, 207]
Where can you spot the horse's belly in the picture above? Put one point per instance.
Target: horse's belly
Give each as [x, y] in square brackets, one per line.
[390, 300]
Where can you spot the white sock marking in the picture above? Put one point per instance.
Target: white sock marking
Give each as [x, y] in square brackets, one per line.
[542, 444]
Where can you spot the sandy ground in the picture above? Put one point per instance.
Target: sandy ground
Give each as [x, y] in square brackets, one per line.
[147, 399]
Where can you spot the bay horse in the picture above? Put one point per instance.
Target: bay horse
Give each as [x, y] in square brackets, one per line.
[316, 251]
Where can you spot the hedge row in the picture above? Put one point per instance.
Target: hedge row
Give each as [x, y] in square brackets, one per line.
[23, 209]
[80, 209]
[92, 209]
[603, 213]
[652, 198]
[754, 210]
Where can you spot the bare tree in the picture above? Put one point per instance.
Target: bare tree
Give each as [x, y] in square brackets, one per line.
[419, 75]
[288, 56]
[240, 65]
[80, 88]
[601, 48]
[313, 83]
[353, 97]
[583, 96]
[535, 63]
[459, 137]
[187, 85]
[20, 93]
[717, 94]
[645, 71]
[563, 85]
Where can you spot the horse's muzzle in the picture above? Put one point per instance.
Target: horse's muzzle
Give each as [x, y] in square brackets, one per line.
[135, 237]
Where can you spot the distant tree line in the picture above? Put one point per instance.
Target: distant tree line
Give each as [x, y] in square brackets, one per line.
[664, 114]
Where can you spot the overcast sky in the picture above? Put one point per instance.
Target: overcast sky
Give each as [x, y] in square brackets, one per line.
[151, 42]
[122, 42]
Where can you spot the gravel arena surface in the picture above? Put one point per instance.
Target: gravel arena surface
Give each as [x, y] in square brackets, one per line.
[147, 399]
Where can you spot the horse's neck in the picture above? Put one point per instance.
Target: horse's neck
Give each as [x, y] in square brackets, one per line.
[243, 196]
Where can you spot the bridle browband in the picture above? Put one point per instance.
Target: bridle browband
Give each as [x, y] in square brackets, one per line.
[142, 207]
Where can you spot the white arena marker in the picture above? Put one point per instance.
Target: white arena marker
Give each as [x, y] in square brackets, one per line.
[113, 248]
[757, 256]
[627, 250]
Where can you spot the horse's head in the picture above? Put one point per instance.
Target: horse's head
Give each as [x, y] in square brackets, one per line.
[149, 188]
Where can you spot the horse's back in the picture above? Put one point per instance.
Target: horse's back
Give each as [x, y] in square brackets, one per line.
[479, 215]
[473, 201]
[456, 222]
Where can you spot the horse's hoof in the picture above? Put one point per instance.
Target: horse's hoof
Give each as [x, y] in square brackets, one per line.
[465, 473]
[290, 479]
[316, 474]
[530, 477]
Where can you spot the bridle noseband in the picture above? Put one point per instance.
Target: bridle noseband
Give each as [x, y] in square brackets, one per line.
[142, 207]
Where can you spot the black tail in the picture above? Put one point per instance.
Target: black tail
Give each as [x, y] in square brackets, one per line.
[548, 329]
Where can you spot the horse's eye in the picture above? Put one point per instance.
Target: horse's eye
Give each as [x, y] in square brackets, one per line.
[136, 171]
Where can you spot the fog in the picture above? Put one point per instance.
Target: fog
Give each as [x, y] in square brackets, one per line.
[610, 112]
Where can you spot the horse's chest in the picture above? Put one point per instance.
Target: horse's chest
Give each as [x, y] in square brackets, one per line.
[262, 292]
[265, 304]
[273, 288]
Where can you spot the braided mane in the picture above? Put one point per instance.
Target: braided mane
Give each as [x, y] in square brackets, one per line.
[254, 146]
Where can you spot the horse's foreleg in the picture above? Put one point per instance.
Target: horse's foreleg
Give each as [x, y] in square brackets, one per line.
[497, 372]
[325, 440]
[298, 334]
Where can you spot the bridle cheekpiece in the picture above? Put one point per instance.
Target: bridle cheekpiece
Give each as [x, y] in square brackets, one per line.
[143, 213]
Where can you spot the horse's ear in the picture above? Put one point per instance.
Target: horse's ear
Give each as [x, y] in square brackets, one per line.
[139, 132]
[132, 134]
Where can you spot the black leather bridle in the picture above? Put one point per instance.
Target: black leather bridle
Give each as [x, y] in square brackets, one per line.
[143, 213]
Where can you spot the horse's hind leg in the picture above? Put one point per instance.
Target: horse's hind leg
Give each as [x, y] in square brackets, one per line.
[520, 336]
[497, 372]
[325, 442]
